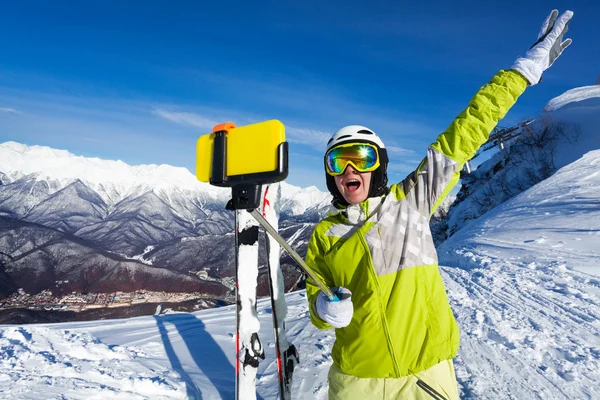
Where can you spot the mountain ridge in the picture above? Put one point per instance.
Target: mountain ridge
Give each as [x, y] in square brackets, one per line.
[116, 180]
[140, 217]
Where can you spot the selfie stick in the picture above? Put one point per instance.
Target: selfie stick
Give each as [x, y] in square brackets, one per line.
[261, 220]
[246, 189]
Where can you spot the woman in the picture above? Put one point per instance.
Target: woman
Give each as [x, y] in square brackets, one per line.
[395, 332]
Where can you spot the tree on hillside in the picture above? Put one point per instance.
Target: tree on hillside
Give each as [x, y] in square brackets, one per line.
[528, 159]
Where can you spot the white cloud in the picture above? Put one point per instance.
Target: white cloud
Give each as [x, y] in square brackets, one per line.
[400, 168]
[10, 111]
[320, 103]
[398, 151]
[310, 137]
[318, 140]
[186, 118]
[307, 175]
[144, 131]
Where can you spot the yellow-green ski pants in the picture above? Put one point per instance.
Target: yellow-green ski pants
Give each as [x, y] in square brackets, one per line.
[425, 385]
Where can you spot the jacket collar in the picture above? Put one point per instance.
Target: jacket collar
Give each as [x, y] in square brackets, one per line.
[358, 213]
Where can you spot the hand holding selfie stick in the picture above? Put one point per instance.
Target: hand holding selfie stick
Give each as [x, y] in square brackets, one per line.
[215, 165]
[261, 220]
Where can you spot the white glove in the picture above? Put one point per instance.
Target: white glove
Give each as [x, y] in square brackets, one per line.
[336, 313]
[546, 50]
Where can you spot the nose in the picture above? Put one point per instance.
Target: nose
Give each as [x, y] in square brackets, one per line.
[350, 170]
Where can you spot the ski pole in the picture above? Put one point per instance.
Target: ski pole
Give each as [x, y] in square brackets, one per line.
[330, 295]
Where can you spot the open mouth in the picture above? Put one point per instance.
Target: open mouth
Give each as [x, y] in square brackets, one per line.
[352, 185]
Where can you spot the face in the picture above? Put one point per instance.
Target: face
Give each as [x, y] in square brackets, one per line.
[353, 185]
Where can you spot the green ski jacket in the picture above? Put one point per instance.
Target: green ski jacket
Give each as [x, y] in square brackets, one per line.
[383, 252]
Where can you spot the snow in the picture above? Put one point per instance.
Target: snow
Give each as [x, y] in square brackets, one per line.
[523, 281]
[173, 356]
[573, 96]
[556, 220]
[39, 362]
[555, 139]
[148, 249]
[527, 332]
[62, 165]
[115, 181]
[580, 108]
[60, 168]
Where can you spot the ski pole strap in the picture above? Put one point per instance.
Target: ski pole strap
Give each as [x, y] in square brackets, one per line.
[261, 220]
[339, 295]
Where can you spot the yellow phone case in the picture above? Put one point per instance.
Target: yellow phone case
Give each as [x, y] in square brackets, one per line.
[250, 149]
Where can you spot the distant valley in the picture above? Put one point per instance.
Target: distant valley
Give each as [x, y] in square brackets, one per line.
[73, 224]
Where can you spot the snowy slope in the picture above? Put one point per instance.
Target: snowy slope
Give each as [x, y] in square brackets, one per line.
[567, 129]
[172, 356]
[579, 107]
[523, 281]
[557, 219]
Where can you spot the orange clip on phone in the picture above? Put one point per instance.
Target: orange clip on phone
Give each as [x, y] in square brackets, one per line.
[256, 153]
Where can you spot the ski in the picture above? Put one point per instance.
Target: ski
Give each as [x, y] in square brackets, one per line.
[287, 356]
[248, 346]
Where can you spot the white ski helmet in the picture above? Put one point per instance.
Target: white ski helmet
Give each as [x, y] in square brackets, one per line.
[359, 134]
[355, 133]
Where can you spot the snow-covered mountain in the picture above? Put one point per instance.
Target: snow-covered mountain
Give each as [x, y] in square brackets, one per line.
[119, 210]
[568, 128]
[115, 181]
[522, 277]
[523, 281]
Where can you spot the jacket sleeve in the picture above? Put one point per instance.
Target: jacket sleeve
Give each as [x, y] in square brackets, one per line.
[440, 170]
[314, 259]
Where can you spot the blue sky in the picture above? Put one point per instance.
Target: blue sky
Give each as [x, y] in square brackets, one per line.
[139, 81]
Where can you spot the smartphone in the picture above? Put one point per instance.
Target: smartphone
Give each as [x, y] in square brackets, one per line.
[250, 149]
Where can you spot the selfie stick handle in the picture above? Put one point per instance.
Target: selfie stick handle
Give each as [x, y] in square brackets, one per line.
[261, 220]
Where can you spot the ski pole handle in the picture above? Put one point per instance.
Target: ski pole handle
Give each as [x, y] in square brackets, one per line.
[261, 220]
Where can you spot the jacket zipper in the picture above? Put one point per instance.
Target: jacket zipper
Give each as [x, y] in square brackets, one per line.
[381, 308]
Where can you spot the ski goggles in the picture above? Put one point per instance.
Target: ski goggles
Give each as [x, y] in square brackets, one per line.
[364, 157]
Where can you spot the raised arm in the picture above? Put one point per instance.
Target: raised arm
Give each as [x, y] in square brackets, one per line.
[439, 171]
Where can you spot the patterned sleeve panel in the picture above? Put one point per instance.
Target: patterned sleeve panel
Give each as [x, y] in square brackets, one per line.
[439, 171]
